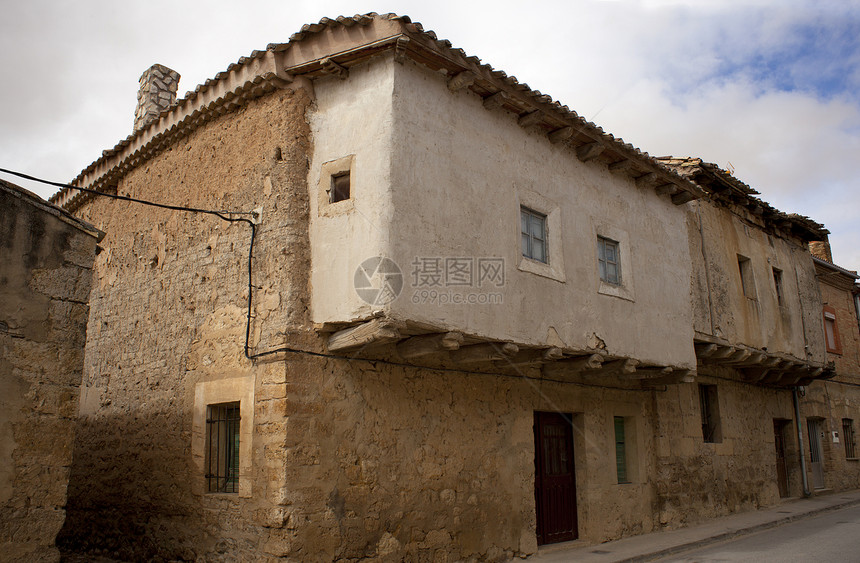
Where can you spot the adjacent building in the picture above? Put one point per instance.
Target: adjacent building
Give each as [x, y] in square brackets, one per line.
[470, 323]
[46, 258]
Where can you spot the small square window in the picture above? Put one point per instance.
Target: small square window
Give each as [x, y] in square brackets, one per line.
[222, 448]
[533, 234]
[339, 188]
[608, 260]
[777, 284]
[747, 282]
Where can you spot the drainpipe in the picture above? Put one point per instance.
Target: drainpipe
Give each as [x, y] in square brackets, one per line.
[806, 493]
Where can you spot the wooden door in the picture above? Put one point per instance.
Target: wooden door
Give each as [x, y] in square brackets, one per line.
[781, 468]
[555, 481]
[816, 463]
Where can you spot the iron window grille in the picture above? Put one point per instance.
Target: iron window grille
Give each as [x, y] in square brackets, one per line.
[222, 448]
[533, 231]
[620, 450]
[848, 437]
[608, 260]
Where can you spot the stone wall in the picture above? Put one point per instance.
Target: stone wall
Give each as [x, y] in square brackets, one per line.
[46, 258]
[167, 330]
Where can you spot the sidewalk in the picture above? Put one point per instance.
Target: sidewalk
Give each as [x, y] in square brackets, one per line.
[648, 547]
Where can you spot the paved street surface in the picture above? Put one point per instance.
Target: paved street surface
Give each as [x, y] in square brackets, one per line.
[831, 536]
[838, 538]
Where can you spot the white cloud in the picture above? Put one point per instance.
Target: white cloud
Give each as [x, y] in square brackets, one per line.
[687, 77]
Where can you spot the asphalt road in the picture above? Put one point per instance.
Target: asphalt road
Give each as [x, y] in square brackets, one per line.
[832, 537]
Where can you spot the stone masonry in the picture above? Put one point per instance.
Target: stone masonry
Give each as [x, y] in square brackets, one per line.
[46, 257]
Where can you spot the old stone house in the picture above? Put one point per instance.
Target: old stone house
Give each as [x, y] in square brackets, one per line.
[46, 258]
[475, 322]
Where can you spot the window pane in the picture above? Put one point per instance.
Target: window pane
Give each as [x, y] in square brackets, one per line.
[610, 252]
[537, 227]
[526, 250]
[602, 267]
[538, 247]
[601, 249]
[611, 273]
[524, 221]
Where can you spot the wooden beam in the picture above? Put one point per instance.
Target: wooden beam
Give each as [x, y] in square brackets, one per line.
[400, 49]
[754, 359]
[721, 353]
[621, 165]
[703, 350]
[648, 373]
[529, 119]
[428, 344]
[616, 367]
[331, 67]
[534, 357]
[461, 80]
[664, 189]
[373, 332]
[738, 357]
[589, 151]
[560, 135]
[495, 101]
[646, 179]
[594, 361]
[488, 352]
[677, 376]
[682, 197]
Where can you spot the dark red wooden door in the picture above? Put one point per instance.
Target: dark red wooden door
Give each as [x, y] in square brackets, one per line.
[555, 481]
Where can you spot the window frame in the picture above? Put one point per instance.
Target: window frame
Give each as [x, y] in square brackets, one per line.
[848, 438]
[622, 470]
[336, 187]
[553, 268]
[709, 407]
[223, 440]
[529, 215]
[829, 319]
[747, 277]
[603, 263]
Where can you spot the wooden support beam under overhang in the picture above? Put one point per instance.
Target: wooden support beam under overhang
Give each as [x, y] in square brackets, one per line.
[718, 355]
[487, 352]
[531, 118]
[560, 135]
[331, 67]
[589, 151]
[705, 349]
[371, 333]
[621, 165]
[589, 362]
[675, 377]
[646, 179]
[429, 344]
[495, 101]
[461, 80]
[682, 197]
[525, 358]
[624, 366]
[664, 189]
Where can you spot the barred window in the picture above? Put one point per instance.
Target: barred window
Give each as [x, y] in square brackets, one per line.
[222, 448]
[848, 438]
[620, 450]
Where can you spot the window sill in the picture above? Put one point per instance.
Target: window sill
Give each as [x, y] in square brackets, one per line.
[540, 269]
[619, 291]
[852, 459]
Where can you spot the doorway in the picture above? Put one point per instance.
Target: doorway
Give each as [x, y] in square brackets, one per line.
[779, 426]
[816, 463]
[555, 480]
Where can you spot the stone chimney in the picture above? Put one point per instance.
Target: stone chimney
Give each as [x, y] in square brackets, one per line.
[821, 249]
[158, 87]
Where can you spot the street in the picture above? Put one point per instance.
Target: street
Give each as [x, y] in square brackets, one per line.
[832, 537]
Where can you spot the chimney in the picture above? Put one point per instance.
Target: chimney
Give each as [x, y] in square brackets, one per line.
[821, 250]
[157, 91]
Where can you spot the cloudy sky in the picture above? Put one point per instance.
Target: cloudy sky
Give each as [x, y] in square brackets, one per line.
[768, 87]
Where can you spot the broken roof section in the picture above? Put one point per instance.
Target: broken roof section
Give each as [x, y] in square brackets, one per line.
[331, 47]
[722, 186]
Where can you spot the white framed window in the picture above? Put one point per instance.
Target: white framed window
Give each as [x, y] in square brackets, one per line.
[533, 234]
[539, 232]
[608, 260]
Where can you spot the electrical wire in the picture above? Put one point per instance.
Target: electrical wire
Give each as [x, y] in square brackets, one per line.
[225, 216]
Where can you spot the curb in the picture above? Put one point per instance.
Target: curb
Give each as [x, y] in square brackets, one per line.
[704, 542]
